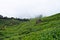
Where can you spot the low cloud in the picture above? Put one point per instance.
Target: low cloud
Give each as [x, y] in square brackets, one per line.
[29, 8]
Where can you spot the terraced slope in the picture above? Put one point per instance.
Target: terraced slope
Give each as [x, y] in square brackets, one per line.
[48, 29]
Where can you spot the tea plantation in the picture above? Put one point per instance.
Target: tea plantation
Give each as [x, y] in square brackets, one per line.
[47, 29]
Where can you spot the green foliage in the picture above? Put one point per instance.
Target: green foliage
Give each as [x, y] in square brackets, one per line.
[48, 29]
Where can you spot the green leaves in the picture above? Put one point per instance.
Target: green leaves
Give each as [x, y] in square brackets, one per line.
[49, 29]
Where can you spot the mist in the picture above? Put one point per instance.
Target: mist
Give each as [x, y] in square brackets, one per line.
[29, 8]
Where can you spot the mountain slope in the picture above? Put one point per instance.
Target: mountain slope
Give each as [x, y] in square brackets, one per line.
[48, 29]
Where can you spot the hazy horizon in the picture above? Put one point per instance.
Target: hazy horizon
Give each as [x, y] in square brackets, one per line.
[29, 8]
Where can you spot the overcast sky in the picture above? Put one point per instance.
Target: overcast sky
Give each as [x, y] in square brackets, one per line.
[29, 8]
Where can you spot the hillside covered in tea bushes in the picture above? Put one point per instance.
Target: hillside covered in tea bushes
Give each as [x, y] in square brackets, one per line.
[46, 29]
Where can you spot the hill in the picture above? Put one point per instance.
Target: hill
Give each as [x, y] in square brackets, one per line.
[47, 29]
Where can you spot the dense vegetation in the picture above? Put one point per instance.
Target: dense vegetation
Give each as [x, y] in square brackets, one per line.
[47, 28]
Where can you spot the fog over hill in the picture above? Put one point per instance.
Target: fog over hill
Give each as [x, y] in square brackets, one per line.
[29, 8]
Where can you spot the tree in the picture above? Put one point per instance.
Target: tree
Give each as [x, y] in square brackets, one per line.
[40, 16]
[1, 16]
[5, 17]
[12, 18]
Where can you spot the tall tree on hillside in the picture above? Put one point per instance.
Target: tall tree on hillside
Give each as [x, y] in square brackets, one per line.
[39, 16]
